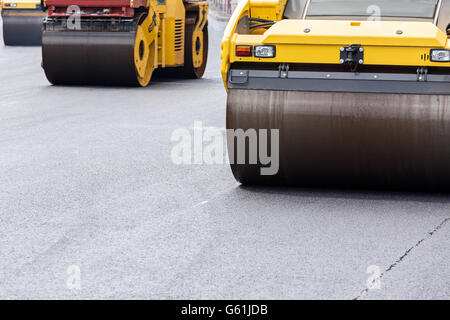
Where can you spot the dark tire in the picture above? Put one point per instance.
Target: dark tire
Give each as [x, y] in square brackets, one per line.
[188, 70]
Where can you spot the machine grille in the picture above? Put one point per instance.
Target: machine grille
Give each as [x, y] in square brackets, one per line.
[179, 41]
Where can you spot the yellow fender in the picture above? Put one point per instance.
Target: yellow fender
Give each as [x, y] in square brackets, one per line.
[197, 56]
[146, 46]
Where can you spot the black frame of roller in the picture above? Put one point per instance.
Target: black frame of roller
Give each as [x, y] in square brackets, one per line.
[282, 79]
[22, 30]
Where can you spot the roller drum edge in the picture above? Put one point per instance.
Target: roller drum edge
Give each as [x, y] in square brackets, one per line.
[93, 58]
[375, 141]
[22, 30]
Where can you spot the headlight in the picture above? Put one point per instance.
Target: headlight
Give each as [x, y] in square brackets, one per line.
[265, 51]
[11, 5]
[440, 55]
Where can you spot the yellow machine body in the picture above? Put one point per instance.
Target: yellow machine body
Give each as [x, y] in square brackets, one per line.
[22, 22]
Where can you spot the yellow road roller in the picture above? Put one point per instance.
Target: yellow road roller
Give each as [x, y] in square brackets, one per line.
[115, 42]
[22, 22]
[357, 92]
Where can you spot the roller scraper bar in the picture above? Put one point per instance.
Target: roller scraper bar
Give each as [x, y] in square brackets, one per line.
[420, 82]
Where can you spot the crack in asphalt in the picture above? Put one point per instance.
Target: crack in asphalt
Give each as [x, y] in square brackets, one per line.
[399, 260]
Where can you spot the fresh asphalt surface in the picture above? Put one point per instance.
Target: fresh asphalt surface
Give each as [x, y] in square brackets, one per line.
[87, 180]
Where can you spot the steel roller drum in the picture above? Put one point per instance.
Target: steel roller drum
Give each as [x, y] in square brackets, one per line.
[22, 30]
[368, 140]
[89, 58]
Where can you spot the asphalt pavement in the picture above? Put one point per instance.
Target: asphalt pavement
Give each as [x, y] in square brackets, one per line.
[92, 205]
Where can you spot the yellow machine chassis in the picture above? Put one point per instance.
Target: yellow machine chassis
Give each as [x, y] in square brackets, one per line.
[389, 43]
[171, 16]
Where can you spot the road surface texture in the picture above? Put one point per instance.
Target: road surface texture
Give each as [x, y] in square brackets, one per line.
[92, 206]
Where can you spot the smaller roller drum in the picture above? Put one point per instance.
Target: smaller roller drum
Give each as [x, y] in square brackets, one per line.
[22, 28]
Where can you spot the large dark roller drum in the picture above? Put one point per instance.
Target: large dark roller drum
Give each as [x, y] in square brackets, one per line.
[22, 30]
[339, 139]
[102, 58]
